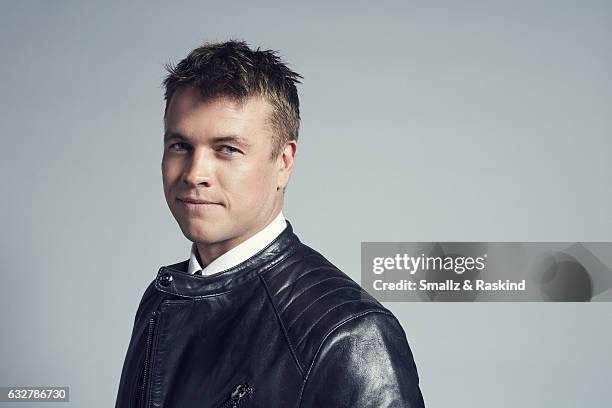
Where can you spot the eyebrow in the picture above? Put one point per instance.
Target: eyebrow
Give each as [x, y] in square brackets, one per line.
[219, 139]
[174, 135]
[232, 138]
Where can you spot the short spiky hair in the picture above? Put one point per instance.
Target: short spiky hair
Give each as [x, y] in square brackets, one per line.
[232, 69]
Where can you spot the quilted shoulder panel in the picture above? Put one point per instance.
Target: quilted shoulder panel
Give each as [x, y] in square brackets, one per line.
[313, 297]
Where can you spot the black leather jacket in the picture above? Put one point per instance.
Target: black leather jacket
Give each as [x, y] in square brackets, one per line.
[284, 328]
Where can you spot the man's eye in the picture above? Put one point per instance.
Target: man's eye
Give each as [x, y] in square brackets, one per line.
[229, 149]
[178, 146]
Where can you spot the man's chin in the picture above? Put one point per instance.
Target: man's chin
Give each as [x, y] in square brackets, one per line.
[199, 238]
[206, 237]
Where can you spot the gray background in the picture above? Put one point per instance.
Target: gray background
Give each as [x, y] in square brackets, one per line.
[422, 121]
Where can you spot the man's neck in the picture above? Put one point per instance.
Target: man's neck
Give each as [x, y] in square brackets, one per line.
[207, 253]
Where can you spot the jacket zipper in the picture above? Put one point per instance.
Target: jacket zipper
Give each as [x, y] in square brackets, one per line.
[146, 370]
[239, 394]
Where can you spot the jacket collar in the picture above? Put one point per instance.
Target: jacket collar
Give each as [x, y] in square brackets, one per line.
[175, 279]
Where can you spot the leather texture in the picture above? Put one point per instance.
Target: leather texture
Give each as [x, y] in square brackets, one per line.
[285, 328]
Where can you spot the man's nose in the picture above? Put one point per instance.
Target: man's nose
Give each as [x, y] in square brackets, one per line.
[199, 169]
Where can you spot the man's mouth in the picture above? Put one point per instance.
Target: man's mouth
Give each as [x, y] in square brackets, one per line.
[195, 201]
[197, 204]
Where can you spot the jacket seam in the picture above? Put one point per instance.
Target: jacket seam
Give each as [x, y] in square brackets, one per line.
[301, 259]
[283, 328]
[336, 327]
[315, 269]
[312, 326]
[299, 315]
[303, 291]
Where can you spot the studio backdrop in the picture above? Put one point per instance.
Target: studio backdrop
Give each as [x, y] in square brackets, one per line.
[422, 122]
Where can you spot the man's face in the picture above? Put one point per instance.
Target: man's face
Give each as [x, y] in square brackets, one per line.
[218, 151]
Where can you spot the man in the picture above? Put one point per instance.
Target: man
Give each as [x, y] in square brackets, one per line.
[254, 318]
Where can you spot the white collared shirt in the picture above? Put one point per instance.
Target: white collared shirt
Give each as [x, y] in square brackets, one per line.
[242, 251]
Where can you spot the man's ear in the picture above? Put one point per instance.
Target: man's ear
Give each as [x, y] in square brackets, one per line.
[285, 161]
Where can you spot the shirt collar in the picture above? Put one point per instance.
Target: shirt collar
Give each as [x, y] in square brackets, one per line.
[242, 251]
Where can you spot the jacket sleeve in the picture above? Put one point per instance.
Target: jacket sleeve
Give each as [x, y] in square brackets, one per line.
[364, 362]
